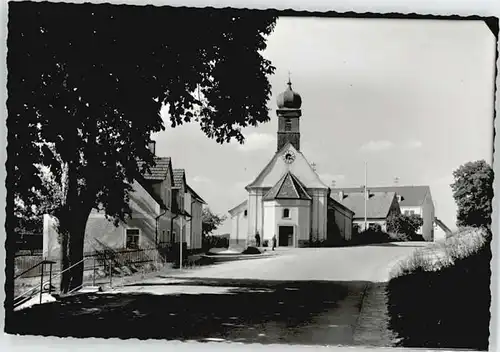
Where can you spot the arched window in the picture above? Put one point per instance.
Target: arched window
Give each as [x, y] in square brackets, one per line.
[286, 213]
[246, 212]
[288, 125]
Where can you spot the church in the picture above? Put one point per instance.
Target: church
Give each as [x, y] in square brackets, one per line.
[287, 199]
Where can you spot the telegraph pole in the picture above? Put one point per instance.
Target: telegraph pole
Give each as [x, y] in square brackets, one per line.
[366, 191]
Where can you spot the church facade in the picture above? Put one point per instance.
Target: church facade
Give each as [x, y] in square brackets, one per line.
[287, 199]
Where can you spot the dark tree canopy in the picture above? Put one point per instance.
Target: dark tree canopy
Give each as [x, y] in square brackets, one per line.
[473, 193]
[210, 221]
[406, 225]
[86, 84]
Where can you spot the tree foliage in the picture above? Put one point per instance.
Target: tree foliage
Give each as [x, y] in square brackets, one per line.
[210, 222]
[473, 193]
[86, 84]
[406, 225]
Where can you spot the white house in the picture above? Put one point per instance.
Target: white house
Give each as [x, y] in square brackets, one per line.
[158, 212]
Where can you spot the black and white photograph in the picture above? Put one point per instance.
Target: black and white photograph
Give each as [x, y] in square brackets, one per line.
[249, 176]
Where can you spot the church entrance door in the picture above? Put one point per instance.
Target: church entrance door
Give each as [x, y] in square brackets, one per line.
[285, 236]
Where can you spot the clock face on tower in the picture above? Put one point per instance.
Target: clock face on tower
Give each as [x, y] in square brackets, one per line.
[289, 157]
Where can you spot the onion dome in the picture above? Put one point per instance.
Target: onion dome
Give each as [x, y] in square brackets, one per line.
[289, 99]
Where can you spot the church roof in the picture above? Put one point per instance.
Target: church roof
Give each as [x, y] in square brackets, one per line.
[377, 205]
[289, 99]
[239, 206]
[411, 196]
[158, 172]
[288, 187]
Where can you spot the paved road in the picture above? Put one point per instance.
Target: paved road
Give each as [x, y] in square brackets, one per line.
[305, 296]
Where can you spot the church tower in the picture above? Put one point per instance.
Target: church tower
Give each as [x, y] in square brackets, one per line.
[289, 113]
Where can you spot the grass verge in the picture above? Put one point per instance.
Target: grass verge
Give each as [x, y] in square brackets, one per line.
[439, 297]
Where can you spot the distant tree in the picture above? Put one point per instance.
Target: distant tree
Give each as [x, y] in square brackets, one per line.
[473, 193]
[210, 221]
[406, 225]
[87, 82]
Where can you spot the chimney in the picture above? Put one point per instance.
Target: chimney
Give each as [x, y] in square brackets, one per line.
[341, 195]
[152, 147]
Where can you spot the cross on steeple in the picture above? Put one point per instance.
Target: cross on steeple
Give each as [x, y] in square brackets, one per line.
[289, 79]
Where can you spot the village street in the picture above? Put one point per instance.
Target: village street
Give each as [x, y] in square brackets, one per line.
[300, 296]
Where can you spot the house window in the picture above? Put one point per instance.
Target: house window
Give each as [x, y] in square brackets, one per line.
[132, 241]
[286, 213]
[288, 125]
[246, 212]
[173, 236]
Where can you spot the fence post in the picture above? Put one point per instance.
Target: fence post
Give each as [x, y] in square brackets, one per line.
[41, 284]
[93, 274]
[110, 275]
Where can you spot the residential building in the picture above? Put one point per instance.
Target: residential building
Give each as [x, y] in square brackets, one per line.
[158, 215]
[379, 207]
[412, 200]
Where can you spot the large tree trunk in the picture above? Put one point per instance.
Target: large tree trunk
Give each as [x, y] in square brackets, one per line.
[72, 246]
[72, 223]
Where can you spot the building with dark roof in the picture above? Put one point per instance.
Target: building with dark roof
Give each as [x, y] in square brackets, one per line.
[412, 200]
[163, 208]
[379, 207]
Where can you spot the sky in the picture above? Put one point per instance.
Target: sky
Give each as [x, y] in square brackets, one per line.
[412, 98]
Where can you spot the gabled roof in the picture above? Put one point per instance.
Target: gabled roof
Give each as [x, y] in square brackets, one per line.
[147, 187]
[195, 195]
[313, 181]
[179, 178]
[412, 196]
[288, 187]
[158, 172]
[443, 227]
[333, 203]
[377, 205]
[239, 206]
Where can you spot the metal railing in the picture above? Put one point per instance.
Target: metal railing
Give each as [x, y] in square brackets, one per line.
[49, 281]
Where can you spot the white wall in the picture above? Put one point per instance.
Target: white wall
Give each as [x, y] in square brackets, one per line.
[187, 207]
[299, 218]
[239, 227]
[439, 234]
[428, 217]
[101, 232]
[319, 213]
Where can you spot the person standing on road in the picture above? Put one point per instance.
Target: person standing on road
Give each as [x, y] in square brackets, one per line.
[257, 239]
[274, 242]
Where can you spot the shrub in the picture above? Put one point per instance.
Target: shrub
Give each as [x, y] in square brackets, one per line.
[404, 225]
[370, 236]
[435, 293]
[251, 250]
[439, 255]
[210, 241]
